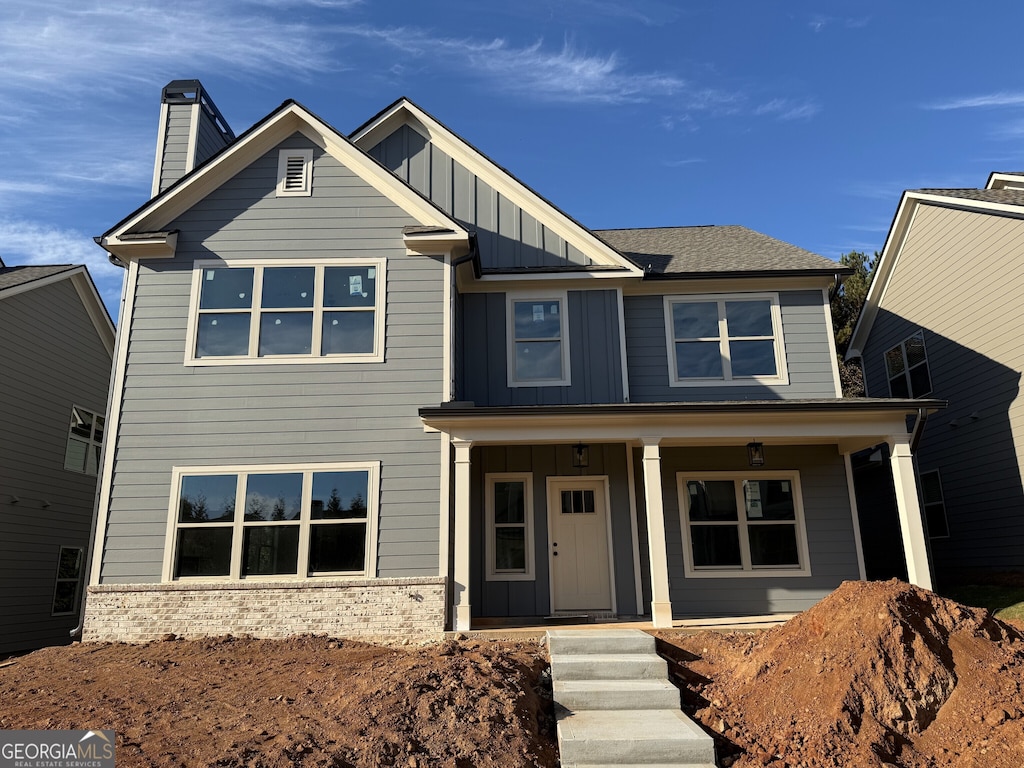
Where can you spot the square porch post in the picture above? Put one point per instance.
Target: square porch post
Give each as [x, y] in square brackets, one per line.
[661, 603]
[905, 483]
[460, 581]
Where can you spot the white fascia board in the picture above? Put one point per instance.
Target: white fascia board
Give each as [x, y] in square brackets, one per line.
[739, 284]
[1003, 180]
[467, 282]
[405, 112]
[95, 308]
[437, 244]
[159, 247]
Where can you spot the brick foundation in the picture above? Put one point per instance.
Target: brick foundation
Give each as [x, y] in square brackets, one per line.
[368, 609]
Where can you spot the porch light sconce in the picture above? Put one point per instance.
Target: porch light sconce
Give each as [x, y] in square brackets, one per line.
[755, 454]
[580, 456]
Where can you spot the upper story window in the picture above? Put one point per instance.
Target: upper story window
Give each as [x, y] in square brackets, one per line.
[906, 366]
[85, 441]
[717, 339]
[538, 341]
[295, 173]
[277, 313]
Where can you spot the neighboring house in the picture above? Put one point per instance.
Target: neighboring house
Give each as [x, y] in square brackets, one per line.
[56, 348]
[376, 385]
[943, 320]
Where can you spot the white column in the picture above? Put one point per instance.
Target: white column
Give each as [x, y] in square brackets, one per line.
[460, 582]
[904, 481]
[661, 604]
[855, 517]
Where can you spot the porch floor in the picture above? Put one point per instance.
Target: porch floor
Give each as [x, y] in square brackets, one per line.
[533, 627]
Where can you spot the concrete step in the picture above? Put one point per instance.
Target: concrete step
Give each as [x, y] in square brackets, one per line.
[608, 666]
[577, 695]
[577, 641]
[638, 737]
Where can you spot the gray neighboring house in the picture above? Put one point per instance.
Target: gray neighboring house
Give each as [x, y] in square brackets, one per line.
[375, 385]
[943, 320]
[56, 349]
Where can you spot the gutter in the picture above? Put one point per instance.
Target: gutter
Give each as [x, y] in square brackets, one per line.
[915, 436]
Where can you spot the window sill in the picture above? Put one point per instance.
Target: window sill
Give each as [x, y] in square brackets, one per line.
[511, 577]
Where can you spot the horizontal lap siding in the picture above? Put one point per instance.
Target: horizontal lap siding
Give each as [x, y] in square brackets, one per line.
[830, 535]
[175, 148]
[52, 358]
[805, 333]
[267, 414]
[507, 235]
[959, 280]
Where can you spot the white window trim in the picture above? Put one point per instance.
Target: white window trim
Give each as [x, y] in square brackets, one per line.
[306, 188]
[253, 357]
[511, 299]
[782, 375]
[747, 571]
[238, 524]
[925, 503]
[493, 574]
[92, 442]
[902, 347]
[77, 599]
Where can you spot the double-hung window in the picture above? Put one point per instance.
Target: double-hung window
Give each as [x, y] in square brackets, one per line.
[85, 441]
[68, 586]
[509, 510]
[934, 505]
[743, 524]
[286, 313]
[906, 366]
[734, 339]
[538, 341]
[272, 521]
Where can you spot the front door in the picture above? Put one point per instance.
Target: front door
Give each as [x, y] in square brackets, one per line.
[580, 567]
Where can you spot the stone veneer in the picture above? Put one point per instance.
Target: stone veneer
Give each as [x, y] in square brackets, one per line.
[368, 609]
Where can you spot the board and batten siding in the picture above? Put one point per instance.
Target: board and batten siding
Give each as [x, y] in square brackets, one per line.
[51, 358]
[830, 534]
[960, 280]
[805, 331]
[508, 236]
[282, 414]
[594, 353]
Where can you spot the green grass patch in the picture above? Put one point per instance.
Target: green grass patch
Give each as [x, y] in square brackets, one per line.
[1006, 602]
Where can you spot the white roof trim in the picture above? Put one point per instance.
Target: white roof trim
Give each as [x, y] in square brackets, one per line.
[405, 112]
[1003, 180]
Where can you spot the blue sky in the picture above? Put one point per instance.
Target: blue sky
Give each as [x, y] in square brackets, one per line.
[803, 120]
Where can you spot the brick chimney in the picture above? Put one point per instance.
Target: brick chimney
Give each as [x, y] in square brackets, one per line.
[192, 130]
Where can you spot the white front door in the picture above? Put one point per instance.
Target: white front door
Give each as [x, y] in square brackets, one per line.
[578, 521]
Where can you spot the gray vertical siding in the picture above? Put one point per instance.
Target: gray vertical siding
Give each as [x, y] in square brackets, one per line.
[595, 358]
[808, 356]
[174, 154]
[959, 280]
[533, 598]
[279, 413]
[508, 236]
[50, 359]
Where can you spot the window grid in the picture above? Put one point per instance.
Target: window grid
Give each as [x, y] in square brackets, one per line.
[494, 573]
[934, 505]
[85, 441]
[906, 367]
[67, 589]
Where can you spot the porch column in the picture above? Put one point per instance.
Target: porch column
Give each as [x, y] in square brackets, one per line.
[661, 604]
[905, 483]
[460, 582]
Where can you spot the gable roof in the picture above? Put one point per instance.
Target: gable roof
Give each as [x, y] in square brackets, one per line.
[405, 112]
[13, 277]
[991, 201]
[714, 251]
[153, 217]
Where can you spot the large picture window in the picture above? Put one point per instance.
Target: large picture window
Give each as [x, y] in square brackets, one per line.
[748, 524]
[509, 509]
[272, 521]
[906, 366]
[273, 312]
[538, 341]
[725, 339]
[85, 441]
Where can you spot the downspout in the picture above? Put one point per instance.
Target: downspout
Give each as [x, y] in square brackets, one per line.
[833, 291]
[915, 436]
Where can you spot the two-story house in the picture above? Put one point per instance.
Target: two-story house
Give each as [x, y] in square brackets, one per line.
[56, 349]
[942, 320]
[375, 384]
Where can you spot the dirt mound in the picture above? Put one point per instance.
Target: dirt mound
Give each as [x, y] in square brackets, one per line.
[304, 701]
[875, 674]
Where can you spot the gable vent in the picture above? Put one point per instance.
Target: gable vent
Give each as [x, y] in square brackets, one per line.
[294, 172]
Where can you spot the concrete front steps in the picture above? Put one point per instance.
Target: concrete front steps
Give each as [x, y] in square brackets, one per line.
[615, 705]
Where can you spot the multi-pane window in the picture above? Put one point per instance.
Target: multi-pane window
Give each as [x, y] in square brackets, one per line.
[258, 521]
[509, 527]
[85, 441]
[906, 365]
[714, 339]
[743, 524]
[289, 313]
[67, 590]
[934, 506]
[538, 342]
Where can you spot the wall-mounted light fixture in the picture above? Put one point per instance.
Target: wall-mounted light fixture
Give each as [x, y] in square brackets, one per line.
[755, 454]
[580, 455]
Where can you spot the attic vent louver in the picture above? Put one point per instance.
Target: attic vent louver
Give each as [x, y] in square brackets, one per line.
[295, 172]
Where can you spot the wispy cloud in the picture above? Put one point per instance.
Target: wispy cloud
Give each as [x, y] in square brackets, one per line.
[684, 162]
[819, 21]
[1001, 99]
[788, 109]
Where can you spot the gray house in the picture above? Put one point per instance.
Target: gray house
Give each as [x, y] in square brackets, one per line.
[56, 349]
[375, 385]
[942, 319]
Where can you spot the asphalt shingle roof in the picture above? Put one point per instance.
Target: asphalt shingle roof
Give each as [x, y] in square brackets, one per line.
[1007, 196]
[710, 249]
[14, 276]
